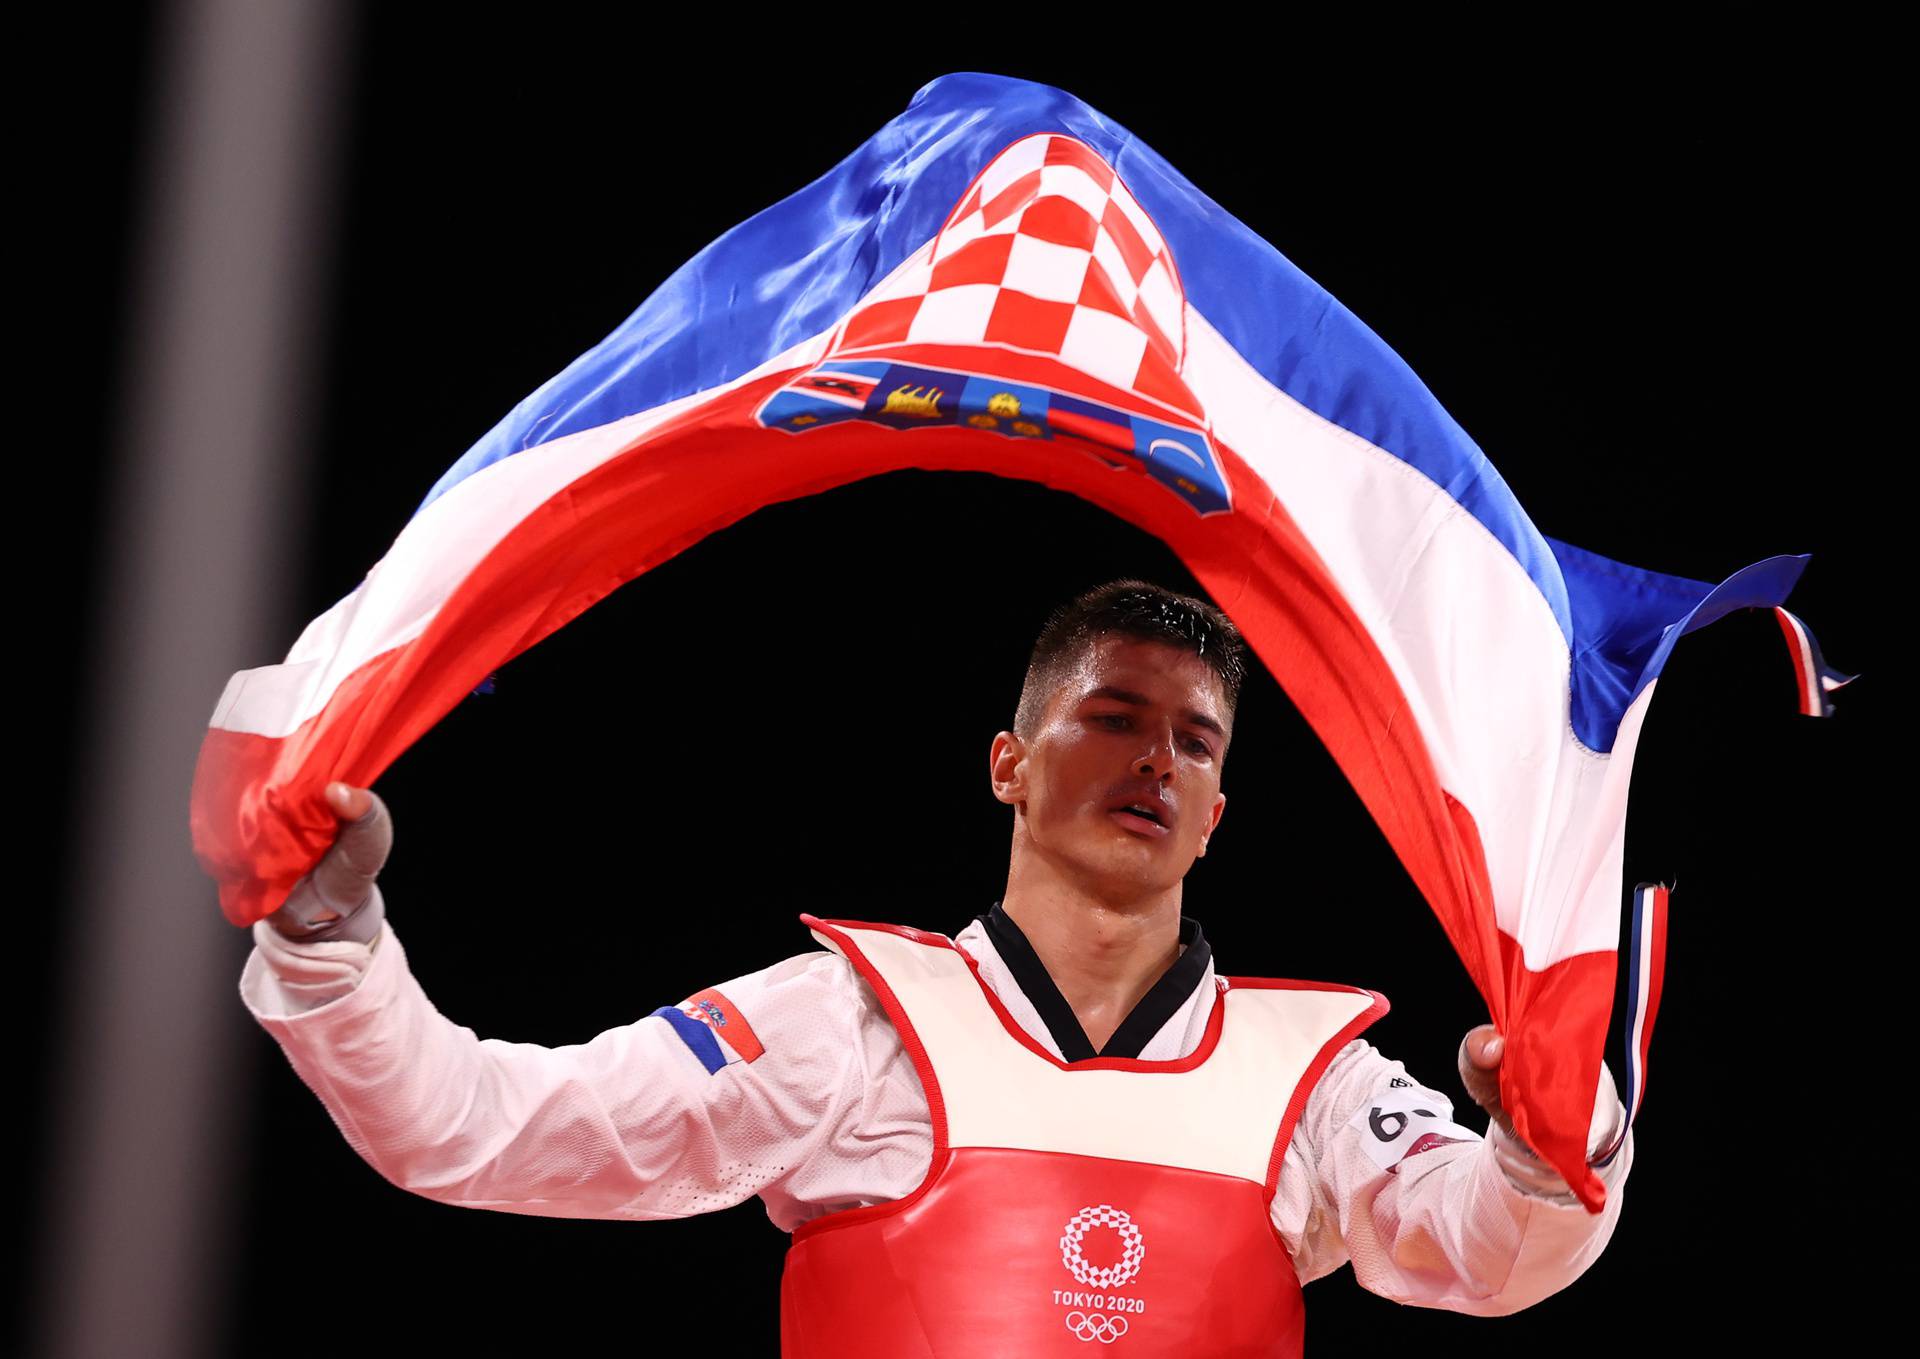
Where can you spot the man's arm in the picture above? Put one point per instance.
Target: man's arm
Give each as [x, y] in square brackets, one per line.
[1430, 1213]
[661, 1118]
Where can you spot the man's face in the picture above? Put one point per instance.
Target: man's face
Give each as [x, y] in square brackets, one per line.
[1137, 721]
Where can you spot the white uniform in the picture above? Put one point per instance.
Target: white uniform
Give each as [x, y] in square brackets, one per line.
[831, 1115]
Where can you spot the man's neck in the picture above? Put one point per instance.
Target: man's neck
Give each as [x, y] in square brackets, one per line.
[1102, 958]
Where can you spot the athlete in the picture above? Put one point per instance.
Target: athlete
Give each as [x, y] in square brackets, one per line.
[1060, 1126]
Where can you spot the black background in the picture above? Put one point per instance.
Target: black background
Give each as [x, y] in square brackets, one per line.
[1640, 268]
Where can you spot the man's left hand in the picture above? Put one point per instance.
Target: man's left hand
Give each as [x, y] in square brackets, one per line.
[1480, 1054]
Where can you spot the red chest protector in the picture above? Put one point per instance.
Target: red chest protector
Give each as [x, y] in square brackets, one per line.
[1109, 1202]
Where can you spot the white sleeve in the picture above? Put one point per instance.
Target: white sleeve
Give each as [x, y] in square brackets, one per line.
[297, 977]
[1431, 1213]
[632, 1124]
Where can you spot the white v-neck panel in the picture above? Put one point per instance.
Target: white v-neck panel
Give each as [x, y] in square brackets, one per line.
[1178, 1037]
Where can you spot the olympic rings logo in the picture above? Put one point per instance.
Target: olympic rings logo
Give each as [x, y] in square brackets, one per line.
[1093, 1326]
[1133, 1248]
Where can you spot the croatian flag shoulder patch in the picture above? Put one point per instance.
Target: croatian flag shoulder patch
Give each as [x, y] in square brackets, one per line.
[713, 1028]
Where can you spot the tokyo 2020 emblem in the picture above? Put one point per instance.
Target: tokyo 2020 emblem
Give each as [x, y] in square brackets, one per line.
[1109, 1323]
[1133, 1248]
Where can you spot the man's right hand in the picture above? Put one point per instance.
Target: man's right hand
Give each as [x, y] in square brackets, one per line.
[339, 898]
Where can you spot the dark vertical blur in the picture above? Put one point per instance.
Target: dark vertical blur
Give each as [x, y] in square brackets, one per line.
[231, 248]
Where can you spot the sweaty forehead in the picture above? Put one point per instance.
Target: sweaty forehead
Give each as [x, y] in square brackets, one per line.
[1140, 664]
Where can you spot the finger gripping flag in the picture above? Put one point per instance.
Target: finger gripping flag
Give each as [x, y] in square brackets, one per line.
[1004, 280]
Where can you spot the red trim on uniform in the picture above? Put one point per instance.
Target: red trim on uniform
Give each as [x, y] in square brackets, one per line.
[1216, 1021]
[1208, 1040]
[909, 1038]
[1315, 1069]
[853, 1217]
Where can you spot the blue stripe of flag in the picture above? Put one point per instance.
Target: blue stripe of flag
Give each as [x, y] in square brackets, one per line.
[696, 1036]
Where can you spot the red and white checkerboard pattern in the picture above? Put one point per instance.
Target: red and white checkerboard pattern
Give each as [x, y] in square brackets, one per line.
[1049, 253]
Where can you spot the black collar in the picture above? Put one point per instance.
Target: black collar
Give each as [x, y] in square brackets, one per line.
[1160, 1003]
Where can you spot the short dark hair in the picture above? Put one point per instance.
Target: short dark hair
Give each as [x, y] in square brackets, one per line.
[1129, 608]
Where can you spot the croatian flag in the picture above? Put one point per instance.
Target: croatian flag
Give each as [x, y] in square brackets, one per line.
[1004, 280]
[714, 1030]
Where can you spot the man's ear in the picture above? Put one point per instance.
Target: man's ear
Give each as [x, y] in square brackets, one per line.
[1007, 768]
[1213, 824]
